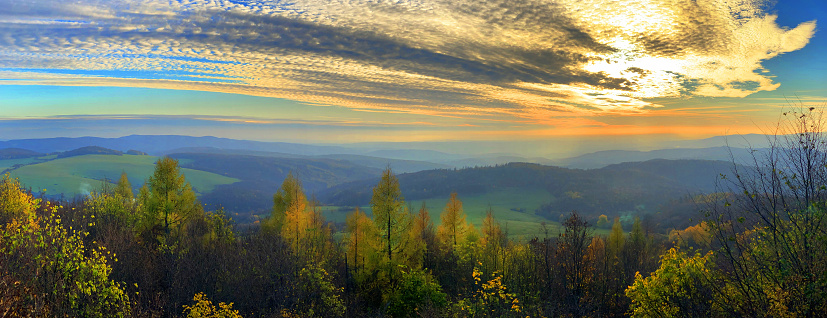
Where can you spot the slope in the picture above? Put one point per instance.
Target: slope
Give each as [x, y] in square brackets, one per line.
[535, 193]
[261, 176]
[78, 175]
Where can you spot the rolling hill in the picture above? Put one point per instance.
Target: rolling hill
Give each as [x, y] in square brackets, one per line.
[602, 159]
[399, 165]
[536, 193]
[17, 153]
[411, 159]
[89, 150]
[260, 177]
[78, 175]
[243, 180]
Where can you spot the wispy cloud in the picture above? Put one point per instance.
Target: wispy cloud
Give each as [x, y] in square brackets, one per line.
[230, 119]
[534, 60]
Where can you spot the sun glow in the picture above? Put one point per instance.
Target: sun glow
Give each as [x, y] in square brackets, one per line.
[649, 76]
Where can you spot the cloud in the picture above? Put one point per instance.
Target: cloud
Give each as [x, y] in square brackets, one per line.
[532, 60]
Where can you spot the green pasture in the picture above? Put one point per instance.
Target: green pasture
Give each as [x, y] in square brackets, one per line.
[513, 209]
[9, 163]
[79, 175]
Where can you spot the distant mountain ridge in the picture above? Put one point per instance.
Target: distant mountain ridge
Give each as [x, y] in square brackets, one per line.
[399, 165]
[89, 150]
[602, 159]
[159, 144]
[404, 160]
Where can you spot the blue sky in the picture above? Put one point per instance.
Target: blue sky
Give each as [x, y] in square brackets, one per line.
[318, 71]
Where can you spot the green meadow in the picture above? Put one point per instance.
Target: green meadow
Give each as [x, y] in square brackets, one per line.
[10, 163]
[81, 174]
[513, 209]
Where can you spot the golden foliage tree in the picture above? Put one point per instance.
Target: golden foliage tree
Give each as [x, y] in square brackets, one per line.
[14, 203]
[296, 220]
[422, 234]
[299, 221]
[48, 268]
[493, 240]
[422, 220]
[453, 229]
[123, 189]
[204, 308]
[361, 239]
[288, 194]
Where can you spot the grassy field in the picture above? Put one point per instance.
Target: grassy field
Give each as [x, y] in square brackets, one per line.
[9, 163]
[79, 175]
[513, 209]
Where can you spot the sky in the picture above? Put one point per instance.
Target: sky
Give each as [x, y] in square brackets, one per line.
[532, 74]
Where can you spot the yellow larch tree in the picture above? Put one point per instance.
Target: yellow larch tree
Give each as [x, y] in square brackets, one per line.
[392, 220]
[453, 229]
[361, 240]
[492, 241]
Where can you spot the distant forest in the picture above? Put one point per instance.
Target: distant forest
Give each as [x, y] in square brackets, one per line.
[755, 249]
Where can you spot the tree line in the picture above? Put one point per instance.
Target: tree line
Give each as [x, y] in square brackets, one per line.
[757, 251]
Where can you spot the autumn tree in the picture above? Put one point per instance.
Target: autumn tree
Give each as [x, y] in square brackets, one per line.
[453, 228]
[48, 270]
[123, 189]
[318, 242]
[681, 287]
[361, 239]
[639, 252]
[289, 194]
[299, 221]
[602, 221]
[390, 216]
[204, 308]
[693, 236]
[493, 241]
[296, 219]
[772, 232]
[14, 203]
[167, 200]
[422, 223]
[573, 269]
[116, 206]
[616, 276]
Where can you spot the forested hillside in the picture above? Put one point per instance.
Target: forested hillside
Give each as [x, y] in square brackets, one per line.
[752, 249]
[243, 184]
[618, 189]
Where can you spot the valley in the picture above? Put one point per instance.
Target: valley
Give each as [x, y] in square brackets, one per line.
[243, 181]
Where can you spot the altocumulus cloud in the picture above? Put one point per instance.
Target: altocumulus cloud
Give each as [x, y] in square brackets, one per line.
[532, 59]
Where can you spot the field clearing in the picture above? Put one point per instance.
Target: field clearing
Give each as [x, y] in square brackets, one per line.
[513, 209]
[81, 174]
[9, 163]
